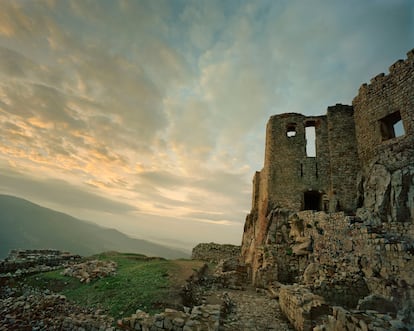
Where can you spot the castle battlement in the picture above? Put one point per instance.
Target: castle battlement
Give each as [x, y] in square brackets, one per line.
[399, 67]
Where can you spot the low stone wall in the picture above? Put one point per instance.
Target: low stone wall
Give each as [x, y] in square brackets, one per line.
[304, 309]
[24, 262]
[205, 317]
[32, 258]
[212, 252]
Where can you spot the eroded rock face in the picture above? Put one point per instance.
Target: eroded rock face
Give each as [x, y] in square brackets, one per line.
[388, 196]
[377, 189]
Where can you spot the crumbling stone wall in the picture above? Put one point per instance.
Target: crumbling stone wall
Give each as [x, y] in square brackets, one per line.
[20, 262]
[304, 309]
[212, 252]
[341, 259]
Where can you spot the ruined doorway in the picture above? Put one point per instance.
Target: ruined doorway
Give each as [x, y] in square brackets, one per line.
[312, 200]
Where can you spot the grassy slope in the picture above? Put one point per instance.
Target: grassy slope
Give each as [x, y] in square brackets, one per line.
[140, 283]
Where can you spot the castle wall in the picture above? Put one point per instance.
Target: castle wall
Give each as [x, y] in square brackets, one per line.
[378, 105]
[212, 252]
[344, 163]
[387, 178]
[288, 172]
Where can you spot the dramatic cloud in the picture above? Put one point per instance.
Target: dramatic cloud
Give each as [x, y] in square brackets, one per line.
[150, 116]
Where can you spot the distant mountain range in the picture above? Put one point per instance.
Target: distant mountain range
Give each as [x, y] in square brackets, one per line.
[26, 225]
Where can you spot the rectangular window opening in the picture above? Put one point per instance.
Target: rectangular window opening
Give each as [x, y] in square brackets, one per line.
[310, 133]
[392, 126]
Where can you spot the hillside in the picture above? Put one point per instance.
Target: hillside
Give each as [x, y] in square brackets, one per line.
[27, 225]
[139, 282]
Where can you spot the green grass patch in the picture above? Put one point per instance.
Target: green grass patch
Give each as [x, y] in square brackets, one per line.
[140, 283]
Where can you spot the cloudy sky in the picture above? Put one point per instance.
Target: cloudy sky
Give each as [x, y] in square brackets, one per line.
[149, 116]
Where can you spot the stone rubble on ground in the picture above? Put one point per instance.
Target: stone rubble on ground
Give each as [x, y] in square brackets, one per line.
[90, 270]
[38, 311]
[204, 317]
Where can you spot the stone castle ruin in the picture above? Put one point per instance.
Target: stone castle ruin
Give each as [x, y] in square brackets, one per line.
[333, 211]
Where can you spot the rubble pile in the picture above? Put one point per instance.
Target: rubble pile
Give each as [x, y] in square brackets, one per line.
[361, 320]
[204, 317]
[90, 270]
[41, 311]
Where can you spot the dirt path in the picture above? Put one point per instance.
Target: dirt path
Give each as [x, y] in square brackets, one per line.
[251, 311]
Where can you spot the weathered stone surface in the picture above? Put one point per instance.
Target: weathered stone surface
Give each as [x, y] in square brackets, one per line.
[376, 189]
[311, 273]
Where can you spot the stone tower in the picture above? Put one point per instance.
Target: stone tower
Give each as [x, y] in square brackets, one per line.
[299, 174]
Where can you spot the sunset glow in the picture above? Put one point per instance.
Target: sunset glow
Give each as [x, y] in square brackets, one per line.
[149, 116]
